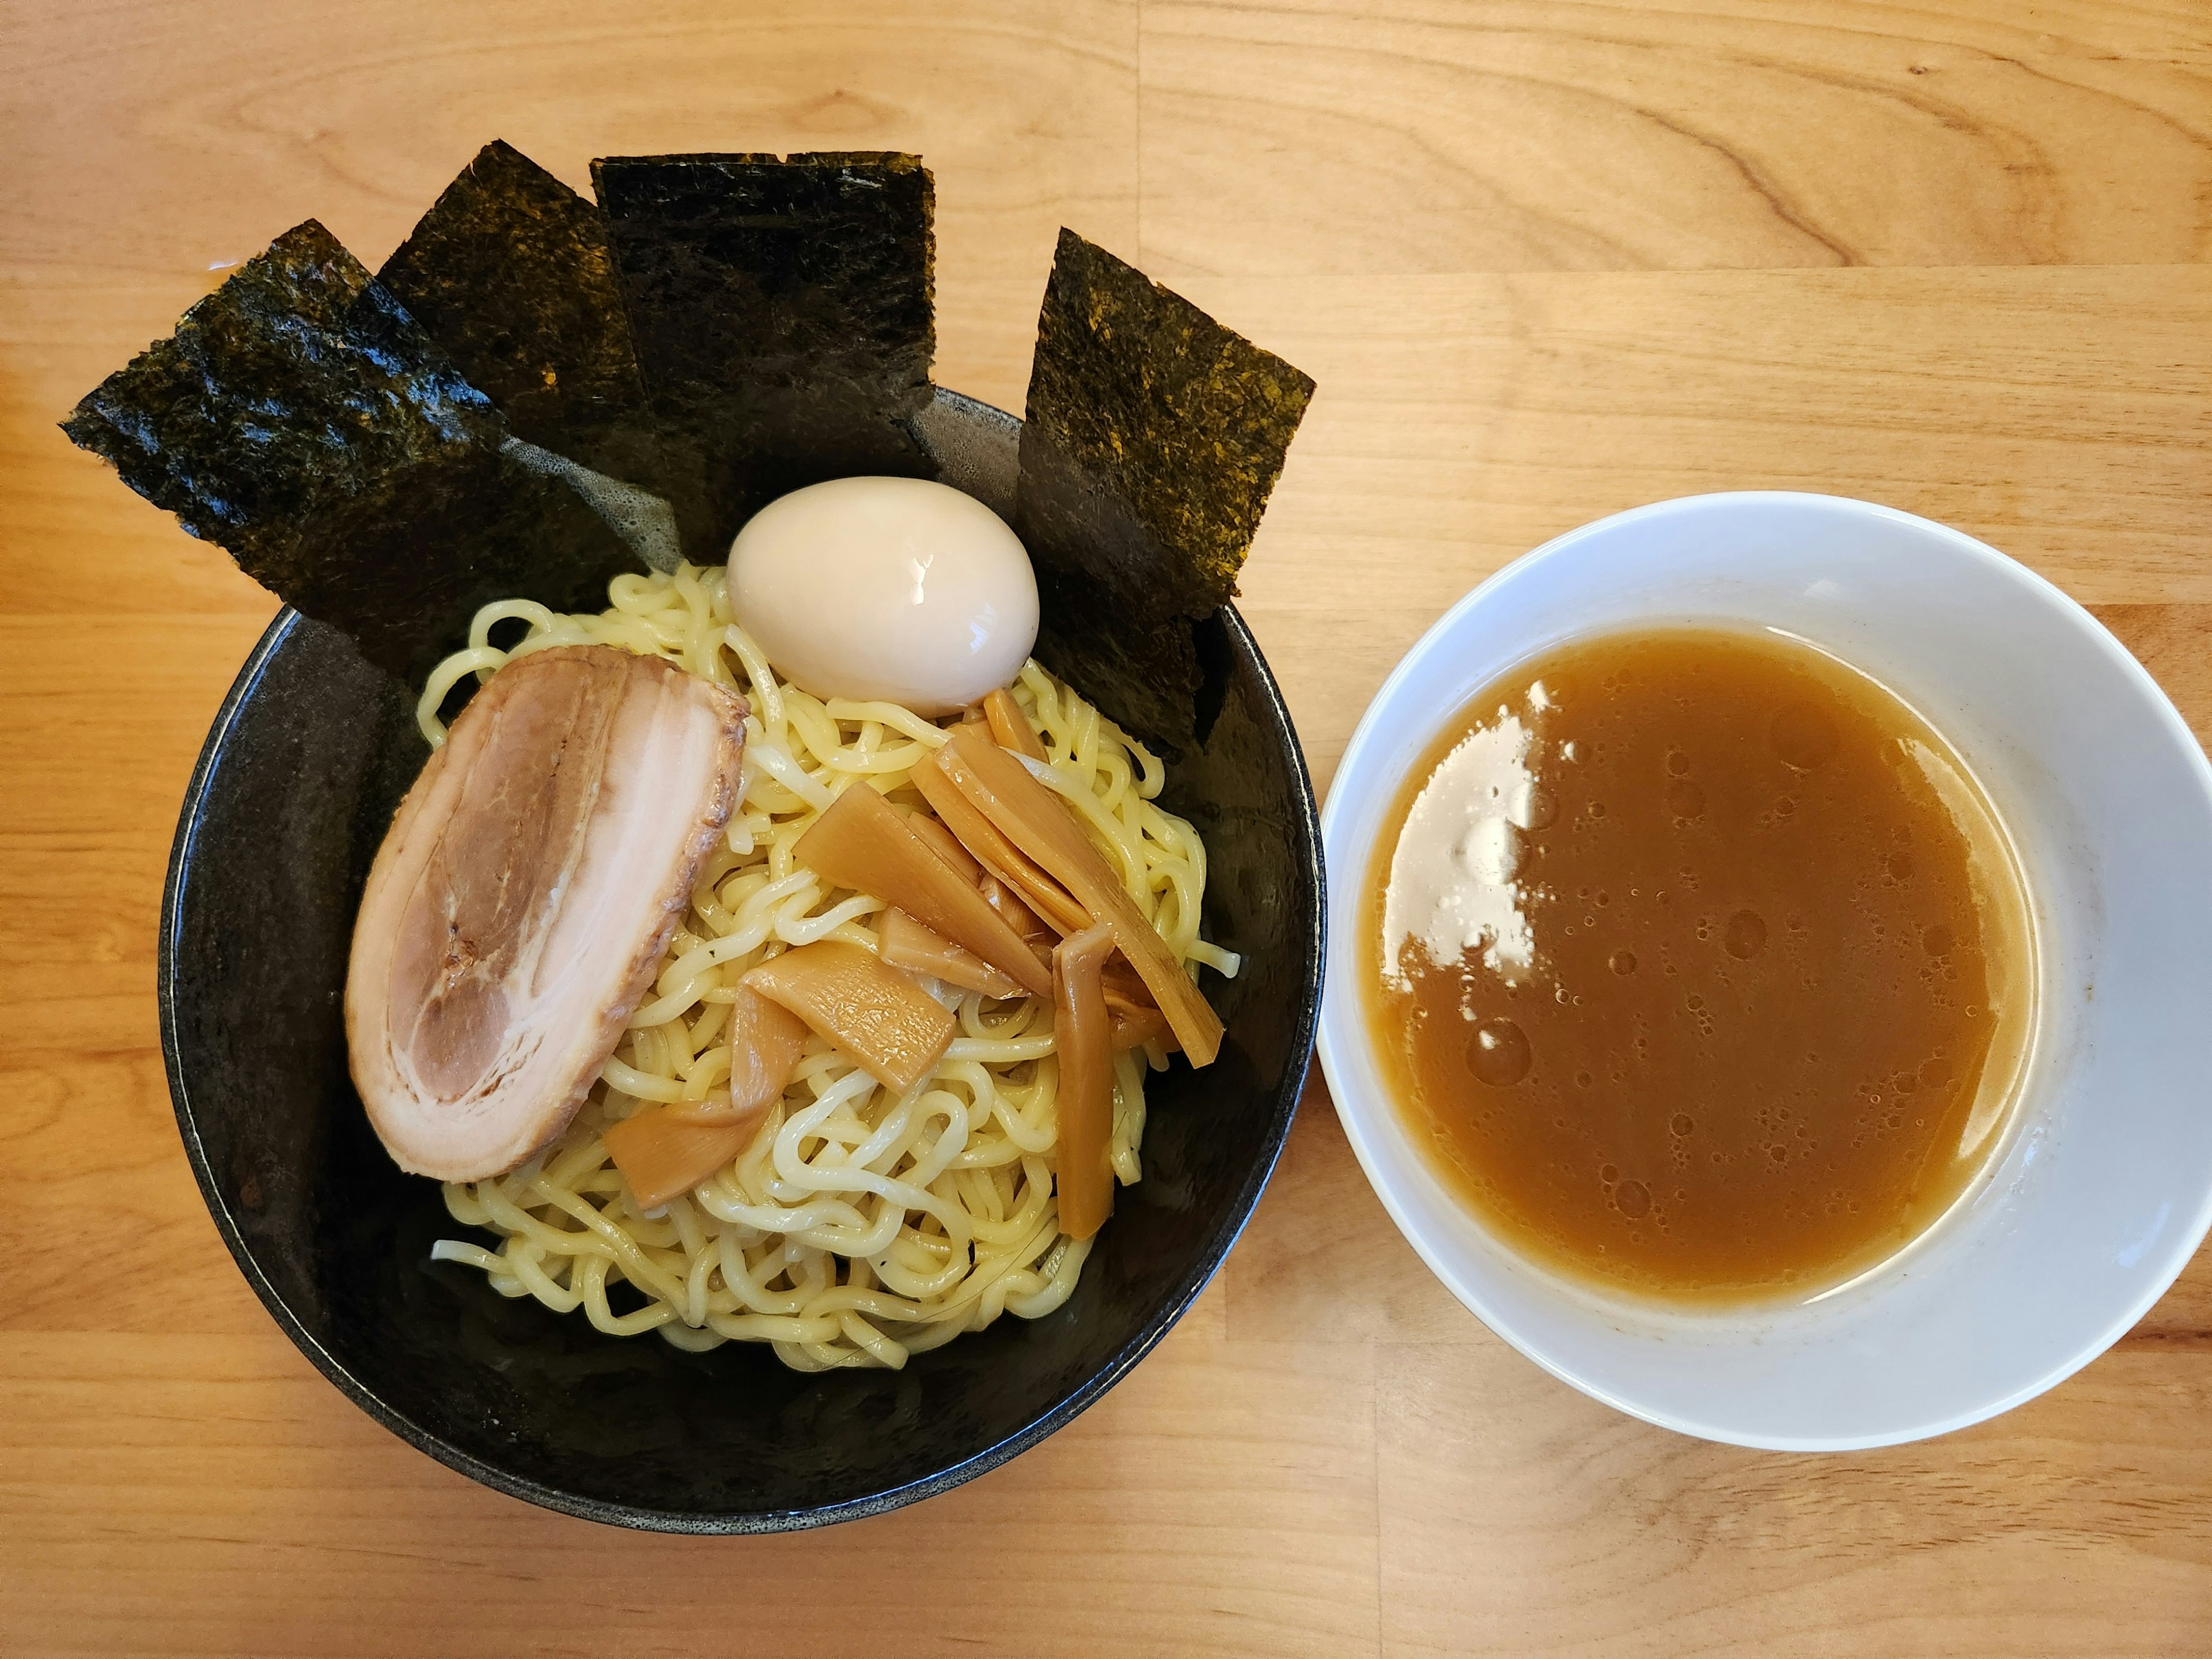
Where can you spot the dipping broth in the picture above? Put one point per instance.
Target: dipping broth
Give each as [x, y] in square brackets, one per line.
[1699, 965]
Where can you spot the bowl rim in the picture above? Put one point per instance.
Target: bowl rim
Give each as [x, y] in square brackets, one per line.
[1274, 716]
[1369, 1117]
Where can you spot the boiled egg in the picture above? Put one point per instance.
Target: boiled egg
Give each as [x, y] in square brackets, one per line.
[900, 589]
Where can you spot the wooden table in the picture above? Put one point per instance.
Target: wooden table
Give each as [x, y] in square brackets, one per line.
[1546, 259]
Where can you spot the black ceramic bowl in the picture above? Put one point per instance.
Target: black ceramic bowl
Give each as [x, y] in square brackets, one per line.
[298, 781]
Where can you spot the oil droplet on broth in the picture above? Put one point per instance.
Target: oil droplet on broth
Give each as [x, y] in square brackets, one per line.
[1746, 936]
[1497, 1054]
[1816, 771]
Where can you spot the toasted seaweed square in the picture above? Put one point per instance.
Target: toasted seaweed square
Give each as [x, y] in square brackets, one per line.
[403, 566]
[201, 423]
[781, 310]
[1151, 440]
[510, 273]
[302, 419]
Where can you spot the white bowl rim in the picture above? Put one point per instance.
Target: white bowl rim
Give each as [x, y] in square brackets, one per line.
[2186, 1243]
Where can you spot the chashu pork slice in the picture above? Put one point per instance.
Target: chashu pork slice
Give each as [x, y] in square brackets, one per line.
[524, 897]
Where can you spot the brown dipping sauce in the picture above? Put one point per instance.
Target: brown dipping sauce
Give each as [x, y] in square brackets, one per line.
[1699, 965]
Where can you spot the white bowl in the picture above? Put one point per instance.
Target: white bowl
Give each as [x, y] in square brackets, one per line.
[2105, 1189]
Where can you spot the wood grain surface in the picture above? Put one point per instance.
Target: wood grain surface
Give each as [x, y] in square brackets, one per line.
[1547, 260]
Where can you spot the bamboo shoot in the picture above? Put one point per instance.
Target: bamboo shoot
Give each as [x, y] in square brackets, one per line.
[905, 943]
[894, 1030]
[663, 1154]
[946, 846]
[1010, 727]
[862, 843]
[1037, 891]
[766, 1039]
[1040, 825]
[1082, 1038]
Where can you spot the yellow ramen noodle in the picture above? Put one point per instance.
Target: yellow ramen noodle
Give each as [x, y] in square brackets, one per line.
[859, 1226]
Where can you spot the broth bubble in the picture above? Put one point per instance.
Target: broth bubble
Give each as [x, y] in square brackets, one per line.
[1746, 936]
[1499, 1054]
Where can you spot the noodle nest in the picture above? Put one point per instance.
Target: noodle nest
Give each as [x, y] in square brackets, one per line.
[860, 1225]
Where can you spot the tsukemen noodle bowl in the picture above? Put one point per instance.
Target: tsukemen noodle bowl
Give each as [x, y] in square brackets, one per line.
[747, 940]
[376, 1276]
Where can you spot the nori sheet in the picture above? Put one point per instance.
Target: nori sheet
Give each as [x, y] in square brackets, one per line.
[781, 310]
[184, 422]
[1151, 440]
[510, 273]
[301, 418]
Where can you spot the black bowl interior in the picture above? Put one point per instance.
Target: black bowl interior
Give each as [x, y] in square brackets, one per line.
[298, 781]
